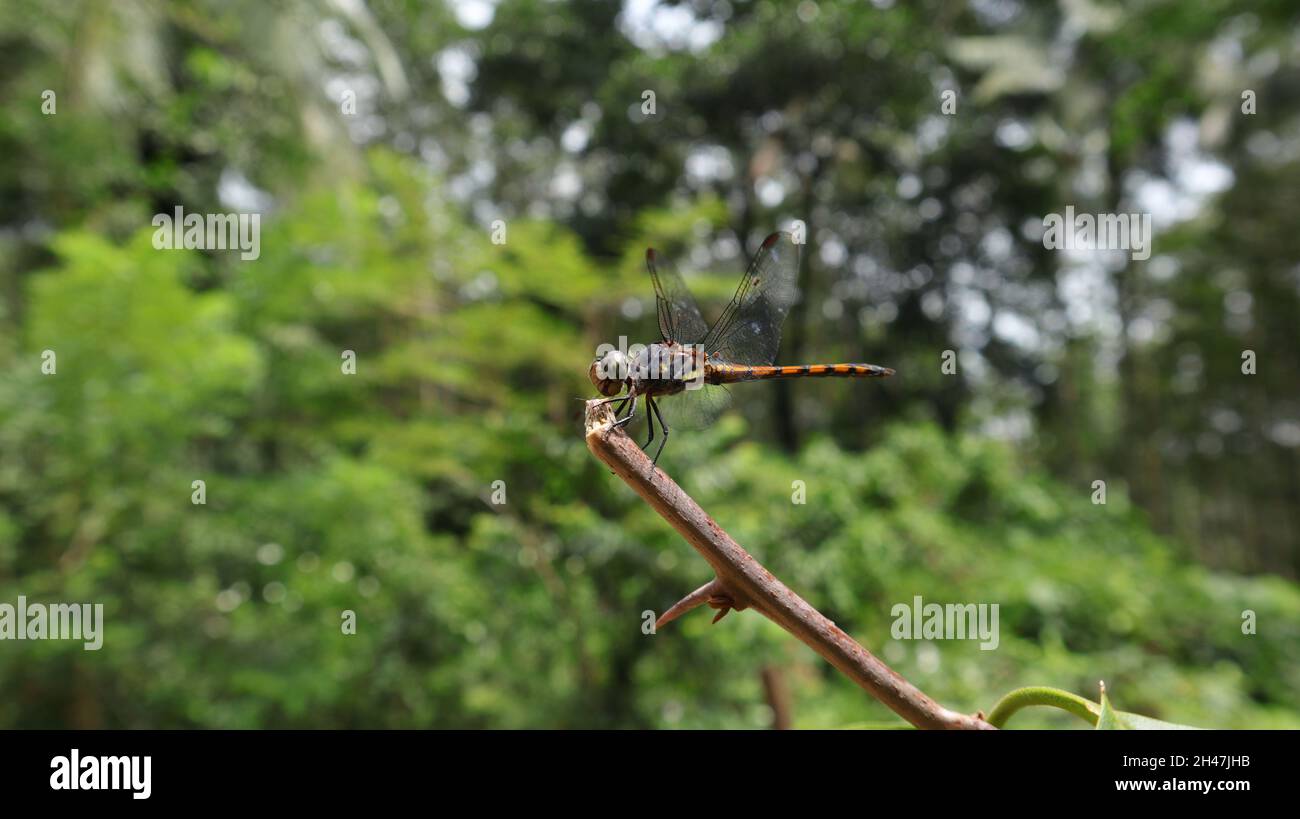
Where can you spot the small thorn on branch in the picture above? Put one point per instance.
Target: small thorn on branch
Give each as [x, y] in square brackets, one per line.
[693, 600]
[714, 593]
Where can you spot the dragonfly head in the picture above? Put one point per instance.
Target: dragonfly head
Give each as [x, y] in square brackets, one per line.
[608, 372]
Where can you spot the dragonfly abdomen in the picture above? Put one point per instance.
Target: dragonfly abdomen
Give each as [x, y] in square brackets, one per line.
[732, 373]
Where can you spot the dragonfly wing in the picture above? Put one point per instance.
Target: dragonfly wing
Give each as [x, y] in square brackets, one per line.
[680, 319]
[749, 329]
[694, 409]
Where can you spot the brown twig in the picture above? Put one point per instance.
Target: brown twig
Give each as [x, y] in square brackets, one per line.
[742, 583]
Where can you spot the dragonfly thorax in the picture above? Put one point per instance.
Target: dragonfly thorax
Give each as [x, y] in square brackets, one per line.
[655, 369]
[667, 368]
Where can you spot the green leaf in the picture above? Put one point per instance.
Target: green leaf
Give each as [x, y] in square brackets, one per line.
[1103, 716]
[1109, 719]
[1112, 720]
[1137, 722]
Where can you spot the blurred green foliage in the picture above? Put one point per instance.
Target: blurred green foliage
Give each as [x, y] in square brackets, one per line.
[372, 492]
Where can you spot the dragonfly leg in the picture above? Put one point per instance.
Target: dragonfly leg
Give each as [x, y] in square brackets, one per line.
[650, 422]
[654, 408]
[631, 413]
[620, 398]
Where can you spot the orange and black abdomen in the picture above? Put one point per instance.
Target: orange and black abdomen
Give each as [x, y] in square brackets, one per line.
[732, 373]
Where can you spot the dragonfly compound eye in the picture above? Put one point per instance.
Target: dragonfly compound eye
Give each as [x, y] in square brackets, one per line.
[607, 374]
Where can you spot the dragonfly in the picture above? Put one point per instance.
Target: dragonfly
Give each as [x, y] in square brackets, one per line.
[682, 379]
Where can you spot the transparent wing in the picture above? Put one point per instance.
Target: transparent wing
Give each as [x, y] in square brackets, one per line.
[680, 319]
[749, 329]
[694, 409]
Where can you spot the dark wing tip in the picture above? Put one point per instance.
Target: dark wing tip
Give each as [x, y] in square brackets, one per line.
[771, 240]
[650, 255]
